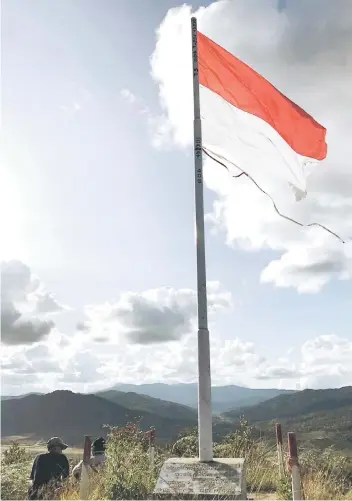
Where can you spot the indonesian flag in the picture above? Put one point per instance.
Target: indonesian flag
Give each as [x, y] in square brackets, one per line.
[250, 126]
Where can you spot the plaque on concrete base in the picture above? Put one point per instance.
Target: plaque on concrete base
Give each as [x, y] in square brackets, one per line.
[188, 478]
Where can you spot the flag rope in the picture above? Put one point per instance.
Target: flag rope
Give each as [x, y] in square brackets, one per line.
[243, 173]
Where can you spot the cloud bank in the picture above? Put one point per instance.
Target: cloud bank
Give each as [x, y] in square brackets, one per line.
[25, 305]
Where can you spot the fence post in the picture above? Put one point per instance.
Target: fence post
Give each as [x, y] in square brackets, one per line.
[152, 435]
[280, 455]
[295, 471]
[84, 482]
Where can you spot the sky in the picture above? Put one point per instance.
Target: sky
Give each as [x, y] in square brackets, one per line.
[98, 273]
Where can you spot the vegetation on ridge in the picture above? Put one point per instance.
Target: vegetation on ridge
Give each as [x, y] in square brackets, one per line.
[128, 474]
[321, 418]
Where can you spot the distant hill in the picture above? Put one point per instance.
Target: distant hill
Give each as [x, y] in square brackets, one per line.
[298, 404]
[144, 403]
[9, 397]
[322, 417]
[72, 415]
[223, 397]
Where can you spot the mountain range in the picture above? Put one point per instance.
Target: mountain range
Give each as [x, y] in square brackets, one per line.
[298, 404]
[224, 398]
[322, 417]
[10, 397]
[145, 403]
[72, 415]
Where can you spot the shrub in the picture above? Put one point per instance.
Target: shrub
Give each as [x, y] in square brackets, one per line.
[237, 444]
[16, 466]
[284, 488]
[14, 454]
[128, 474]
[186, 447]
[14, 480]
[325, 474]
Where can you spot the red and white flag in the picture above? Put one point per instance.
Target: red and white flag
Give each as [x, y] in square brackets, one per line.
[249, 125]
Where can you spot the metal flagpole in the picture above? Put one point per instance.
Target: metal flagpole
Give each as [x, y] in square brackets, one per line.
[204, 379]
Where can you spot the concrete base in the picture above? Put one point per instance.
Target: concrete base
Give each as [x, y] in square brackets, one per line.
[188, 478]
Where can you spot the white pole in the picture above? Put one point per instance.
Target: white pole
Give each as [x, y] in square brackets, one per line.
[151, 456]
[205, 433]
[296, 483]
[151, 447]
[280, 454]
[84, 481]
[295, 470]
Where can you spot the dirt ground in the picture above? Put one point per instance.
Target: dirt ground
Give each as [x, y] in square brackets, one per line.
[262, 495]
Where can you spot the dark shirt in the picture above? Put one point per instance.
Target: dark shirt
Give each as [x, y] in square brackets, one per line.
[49, 467]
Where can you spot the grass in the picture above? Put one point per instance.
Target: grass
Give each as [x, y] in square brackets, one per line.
[34, 447]
[128, 475]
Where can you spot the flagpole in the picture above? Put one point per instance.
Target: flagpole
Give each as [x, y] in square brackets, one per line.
[205, 432]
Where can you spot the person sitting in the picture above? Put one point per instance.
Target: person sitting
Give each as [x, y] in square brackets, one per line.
[97, 459]
[51, 467]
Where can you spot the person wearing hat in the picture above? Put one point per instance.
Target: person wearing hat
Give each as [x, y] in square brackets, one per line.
[51, 467]
[97, 459]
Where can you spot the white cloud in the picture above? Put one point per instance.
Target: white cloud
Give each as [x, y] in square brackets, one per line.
[177, 362]
[148, 337]
[158, 125]
[26, 370]
[82, 365]
[52, 363]
[139, 330]
[159, 129]
[47, 304]
[153, 316]
[17, 330]
[326, 349]
[24, 302]
[324, 361]
[305, 50]
[308, 268]
[128, 96]
[232, 358]
[278, 372]
[77, 99]
[136, 101]
[19, 384]
[83, 368]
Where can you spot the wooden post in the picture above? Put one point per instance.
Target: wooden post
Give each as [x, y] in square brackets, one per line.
[294, 465]
[152, 435]
[84, 483]
[280, 455]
